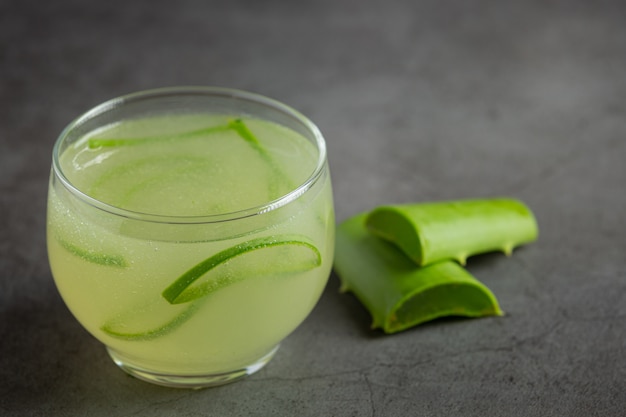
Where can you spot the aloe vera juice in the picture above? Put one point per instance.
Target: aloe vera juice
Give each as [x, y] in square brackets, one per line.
[145, 283]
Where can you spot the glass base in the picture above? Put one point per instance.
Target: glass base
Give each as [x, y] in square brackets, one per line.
[190, 381]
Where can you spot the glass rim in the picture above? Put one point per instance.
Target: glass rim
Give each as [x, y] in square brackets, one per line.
[223, 92]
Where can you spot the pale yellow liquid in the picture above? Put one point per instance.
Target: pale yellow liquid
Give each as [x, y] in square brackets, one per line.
[271, 292]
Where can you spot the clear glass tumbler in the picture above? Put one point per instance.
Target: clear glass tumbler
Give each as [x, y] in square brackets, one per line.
[190, 230]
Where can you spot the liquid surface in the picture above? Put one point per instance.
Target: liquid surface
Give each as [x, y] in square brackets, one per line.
[189, 166]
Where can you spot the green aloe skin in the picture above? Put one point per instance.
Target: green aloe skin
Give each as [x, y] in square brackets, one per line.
[181, 291]
[432, 232]
[236, 125]
[403, 262]
[399, 294]
[92, 256]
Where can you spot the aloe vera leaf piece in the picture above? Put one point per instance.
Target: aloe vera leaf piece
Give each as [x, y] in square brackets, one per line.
[242, 129]
[112, 142]
[180, 291]
[432, 232]
[93, 256]
[397, 293]
[134, 170]
[121, 327]
[236, 125]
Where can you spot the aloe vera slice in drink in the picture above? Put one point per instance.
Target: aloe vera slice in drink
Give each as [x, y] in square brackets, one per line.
[399, 294]
[92, 256]
[279, 177]
[114, 187]
[114, 142]
[279, 180]
[182, 299]
[304, 255]
[149, 322]
[432, 232]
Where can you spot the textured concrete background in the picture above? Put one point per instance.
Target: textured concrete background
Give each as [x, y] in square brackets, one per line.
[418, 100]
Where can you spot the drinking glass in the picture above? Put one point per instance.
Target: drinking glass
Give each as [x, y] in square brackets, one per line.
[190, 229]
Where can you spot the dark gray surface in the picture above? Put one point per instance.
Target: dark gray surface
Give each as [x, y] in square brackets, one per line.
[418, 101]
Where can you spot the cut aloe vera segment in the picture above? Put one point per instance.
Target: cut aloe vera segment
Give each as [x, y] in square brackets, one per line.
[432, 232]
[120, 186]
[397, 293]
[92, 256]
[236, 125]
[187, 294]
[278, 176]
[300, 255]
[242, 130]
[150, 321]
[114, 142]
[279, 184]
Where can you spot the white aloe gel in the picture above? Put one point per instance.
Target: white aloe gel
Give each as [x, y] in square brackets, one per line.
[112, 270]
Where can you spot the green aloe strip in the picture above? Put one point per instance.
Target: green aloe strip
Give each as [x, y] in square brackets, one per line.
[399, 294]
[123, 326]
[245, 133]
[236, 125]
[93, 256]
[432, 232]
[99, 143]
[183, 291]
